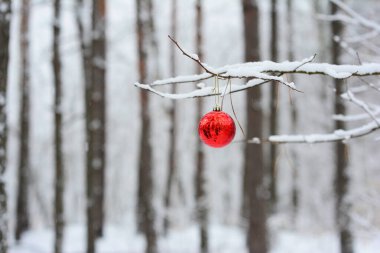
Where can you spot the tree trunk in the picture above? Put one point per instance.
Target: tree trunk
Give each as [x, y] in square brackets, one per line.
[5, 17]
[93, 54]
[173, 119]
[145, 211]
[86, 58]
[322, 28]
[22, 216]
[154, 49]
[323, 33]
[254, 165]
[342, 207]
[85, 49]
[97, 106]
[294, 113]
[273, 109]
[200, 177]
[59, 166]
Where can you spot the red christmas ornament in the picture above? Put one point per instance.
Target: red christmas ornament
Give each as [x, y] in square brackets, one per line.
[216, 129]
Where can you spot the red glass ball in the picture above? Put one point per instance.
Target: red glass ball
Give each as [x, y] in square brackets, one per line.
[216, 129]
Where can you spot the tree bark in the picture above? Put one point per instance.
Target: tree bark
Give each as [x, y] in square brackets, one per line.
[323, 30]
[294, 114]
[145, 210]
[85, 47]
[93, 52]
[22, 216]
[173, 119]
[342, 206]
[154, 48]
[273, 108]
[254, 164]
[97, 110]
[59, 220]
[5, 17]
[200, 174]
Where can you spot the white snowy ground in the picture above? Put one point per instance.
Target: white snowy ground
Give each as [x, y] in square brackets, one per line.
[223, 240]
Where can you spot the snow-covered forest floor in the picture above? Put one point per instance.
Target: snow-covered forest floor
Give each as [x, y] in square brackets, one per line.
[223, 239]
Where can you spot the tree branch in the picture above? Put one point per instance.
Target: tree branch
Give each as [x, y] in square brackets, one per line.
[193, 57]
[222, 73]
[350, 97]
[356, 117]
[356, 16]
[338, 135]
[259, 71]
[266, 71]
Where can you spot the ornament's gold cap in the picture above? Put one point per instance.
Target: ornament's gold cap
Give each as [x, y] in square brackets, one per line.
[217, 108]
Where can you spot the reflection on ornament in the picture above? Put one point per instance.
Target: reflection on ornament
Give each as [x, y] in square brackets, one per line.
[216, 129]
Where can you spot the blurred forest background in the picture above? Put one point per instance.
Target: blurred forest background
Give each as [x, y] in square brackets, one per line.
[94, 164]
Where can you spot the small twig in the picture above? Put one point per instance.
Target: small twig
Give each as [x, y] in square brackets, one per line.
[362, 37]
[197, 60]
[350, 97]
[360, 60]
[371, 85]
[306, 62]
[261, 76]
[233, 109]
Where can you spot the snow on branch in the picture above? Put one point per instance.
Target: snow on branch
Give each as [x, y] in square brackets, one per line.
[338, 135]
[354, 17]
[356, 117]
[335, 71]
[351, 97]
[259, 73]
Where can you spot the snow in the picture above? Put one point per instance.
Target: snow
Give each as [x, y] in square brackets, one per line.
[120, 239]
[356, 117]
[194, 56]
[4, 7]
[182, 79]
[260, 72]
[338, 135]
[201, 85]
[2, 98]
[95, 124]
[223, 239]
[206, 90]
[332, 70]
[242, 72]
[357, 17]
[351, 97]
[256, 140]
[96, 163]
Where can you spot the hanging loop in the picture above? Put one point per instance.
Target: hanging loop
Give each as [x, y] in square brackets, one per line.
[217, 106]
